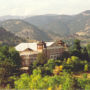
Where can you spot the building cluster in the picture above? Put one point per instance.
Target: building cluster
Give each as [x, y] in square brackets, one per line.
[29, 51]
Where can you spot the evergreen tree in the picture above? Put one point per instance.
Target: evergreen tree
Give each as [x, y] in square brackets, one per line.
[75, 50]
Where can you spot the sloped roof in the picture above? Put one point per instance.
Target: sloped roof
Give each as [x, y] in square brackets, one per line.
[49, 43]
[33, 46]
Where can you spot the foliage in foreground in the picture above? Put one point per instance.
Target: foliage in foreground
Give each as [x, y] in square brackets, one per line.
[9, 64]
[51, 74]
[58, 82]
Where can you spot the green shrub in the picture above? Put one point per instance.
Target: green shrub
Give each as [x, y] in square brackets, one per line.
[86, 67]
[85, 75]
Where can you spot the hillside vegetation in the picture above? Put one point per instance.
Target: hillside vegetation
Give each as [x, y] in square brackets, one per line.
[9, 38]
[24, 30]
[50, 27]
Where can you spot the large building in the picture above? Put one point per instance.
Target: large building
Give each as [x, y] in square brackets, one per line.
[29, 51]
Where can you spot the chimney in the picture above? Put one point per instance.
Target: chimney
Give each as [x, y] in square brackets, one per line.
[60, 42]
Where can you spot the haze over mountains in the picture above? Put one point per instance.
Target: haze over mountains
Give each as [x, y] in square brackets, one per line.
[49, 27]
[61, 24]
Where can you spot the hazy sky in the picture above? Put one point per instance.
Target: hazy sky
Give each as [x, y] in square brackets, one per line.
[37, 7]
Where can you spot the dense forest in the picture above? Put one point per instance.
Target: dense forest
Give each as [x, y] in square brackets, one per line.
[69, 72]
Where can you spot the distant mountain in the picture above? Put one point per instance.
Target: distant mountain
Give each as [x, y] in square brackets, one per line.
[24, 30]
[51, 23]
[8, 38]
[3, 18]
[62, 24]
[49, 27]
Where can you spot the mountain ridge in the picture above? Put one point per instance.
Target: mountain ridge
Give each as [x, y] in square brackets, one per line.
[50, 27]
[24, 29]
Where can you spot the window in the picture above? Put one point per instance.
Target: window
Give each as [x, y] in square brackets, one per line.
[51, 56]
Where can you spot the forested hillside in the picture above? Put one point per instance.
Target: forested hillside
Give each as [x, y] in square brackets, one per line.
[50, 27]
[62, 24]
[9, 38]
[24, 30]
